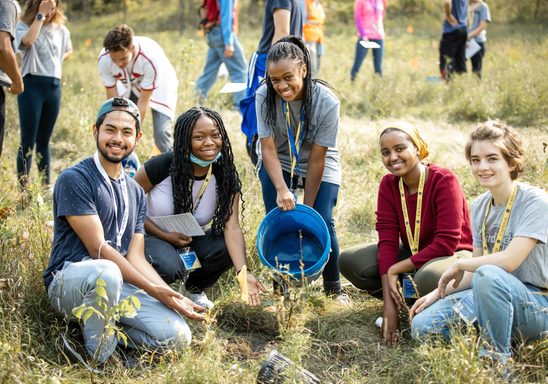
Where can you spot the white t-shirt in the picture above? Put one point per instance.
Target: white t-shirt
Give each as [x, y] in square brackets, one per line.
[527, 219]
[45, 56]
[149, 69]
[160, 196]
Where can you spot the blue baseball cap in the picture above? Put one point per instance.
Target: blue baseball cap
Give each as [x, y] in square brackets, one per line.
[119, 104]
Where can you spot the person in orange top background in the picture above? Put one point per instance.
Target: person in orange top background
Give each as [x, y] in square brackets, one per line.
[313, 33]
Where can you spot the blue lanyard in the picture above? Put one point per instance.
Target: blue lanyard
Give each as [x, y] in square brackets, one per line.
[295, 142]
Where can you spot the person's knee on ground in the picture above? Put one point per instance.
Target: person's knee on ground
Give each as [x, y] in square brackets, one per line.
[363, 276]
[165, 259]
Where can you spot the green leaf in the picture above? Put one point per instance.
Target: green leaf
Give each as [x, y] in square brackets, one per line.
[77, 312]
[100, 282]
[122, 336]
[136, 302]
[88, 314]
[101, 292]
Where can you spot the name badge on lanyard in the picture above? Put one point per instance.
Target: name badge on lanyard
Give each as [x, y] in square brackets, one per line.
[120, 228]
[295, 142]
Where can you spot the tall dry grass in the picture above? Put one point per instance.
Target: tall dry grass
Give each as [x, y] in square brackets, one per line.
[338, 345]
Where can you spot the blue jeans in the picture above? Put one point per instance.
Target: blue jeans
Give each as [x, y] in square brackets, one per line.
[505, 307]
[215, 56]
[361, 53]
[161, 125]
[39, 107]
[324, 205]
[155, 326]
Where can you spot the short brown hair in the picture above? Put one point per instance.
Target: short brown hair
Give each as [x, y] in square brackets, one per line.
[118, 38]
[503, 137]
[31, 10]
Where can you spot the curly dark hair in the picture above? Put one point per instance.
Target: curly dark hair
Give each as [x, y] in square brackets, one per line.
[290, 48]
[181, 171]
[118, 38]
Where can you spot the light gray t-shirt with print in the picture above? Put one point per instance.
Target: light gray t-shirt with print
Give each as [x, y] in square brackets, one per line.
[481, 13]
[529, 218]
[323, 129]
[45, 56]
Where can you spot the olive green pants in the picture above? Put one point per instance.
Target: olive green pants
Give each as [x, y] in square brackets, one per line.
[359, 265]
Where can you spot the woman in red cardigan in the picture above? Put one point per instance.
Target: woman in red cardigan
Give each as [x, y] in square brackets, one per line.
[423, 225]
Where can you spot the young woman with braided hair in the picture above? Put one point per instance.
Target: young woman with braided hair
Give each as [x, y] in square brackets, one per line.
[197, 176]
[298, 122]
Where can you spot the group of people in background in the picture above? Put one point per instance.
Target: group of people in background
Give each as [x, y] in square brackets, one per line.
[495, 258]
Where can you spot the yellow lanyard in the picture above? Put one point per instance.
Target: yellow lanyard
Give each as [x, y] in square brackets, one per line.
[297, 140]
[202, 189]
[503, 223]
[413, 240]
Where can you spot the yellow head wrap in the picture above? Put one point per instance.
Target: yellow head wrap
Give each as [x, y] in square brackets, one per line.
[413, 133]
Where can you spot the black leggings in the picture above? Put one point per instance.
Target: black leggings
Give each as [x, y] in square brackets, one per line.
[39, 106]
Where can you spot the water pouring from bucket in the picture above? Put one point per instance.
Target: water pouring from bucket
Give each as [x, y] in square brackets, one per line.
[294, 244]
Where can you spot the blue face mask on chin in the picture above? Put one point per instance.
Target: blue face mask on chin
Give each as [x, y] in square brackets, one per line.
[204, 163]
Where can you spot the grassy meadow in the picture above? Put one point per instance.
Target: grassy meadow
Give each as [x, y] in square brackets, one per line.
[339, 345]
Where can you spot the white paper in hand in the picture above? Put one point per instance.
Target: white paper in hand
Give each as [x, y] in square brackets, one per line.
[233, 87]
[369, 44]
[184, 223]
[472, 47]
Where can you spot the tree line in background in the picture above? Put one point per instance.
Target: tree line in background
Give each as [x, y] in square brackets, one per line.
[340, 11]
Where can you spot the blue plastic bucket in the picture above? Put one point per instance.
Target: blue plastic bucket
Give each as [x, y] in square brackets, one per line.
[279, 243]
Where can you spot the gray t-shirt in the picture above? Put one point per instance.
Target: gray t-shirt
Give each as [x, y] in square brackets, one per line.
[295, 22]
[8, 12]
[527, 219]
[323, 129]
[481, 13]
[45, 56]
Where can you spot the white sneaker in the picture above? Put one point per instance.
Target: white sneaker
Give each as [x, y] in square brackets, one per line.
[200, 299]
[379, 321]
[343, 299]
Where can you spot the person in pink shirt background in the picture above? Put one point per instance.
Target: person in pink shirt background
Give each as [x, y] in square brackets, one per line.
[369, 15]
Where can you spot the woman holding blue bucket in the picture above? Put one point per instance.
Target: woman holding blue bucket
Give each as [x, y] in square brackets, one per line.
[197, 176]
[422, 223]
[298, 122]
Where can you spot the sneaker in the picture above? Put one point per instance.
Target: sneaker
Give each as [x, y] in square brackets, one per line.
[379, 321]
[200, 299]
[343, 299]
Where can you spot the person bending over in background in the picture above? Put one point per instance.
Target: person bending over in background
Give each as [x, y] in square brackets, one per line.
[369, 16]
[422, 222]
[505, 281]
[44, 42]
[98, 234]
[198, 176]
[137, 68]
[298, 124]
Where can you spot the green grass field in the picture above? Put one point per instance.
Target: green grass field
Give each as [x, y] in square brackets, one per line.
[339, 345]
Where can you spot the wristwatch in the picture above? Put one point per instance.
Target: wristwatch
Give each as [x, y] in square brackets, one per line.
[40, 16]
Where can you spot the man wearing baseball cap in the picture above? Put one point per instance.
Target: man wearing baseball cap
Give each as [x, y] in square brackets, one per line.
[98, 241]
